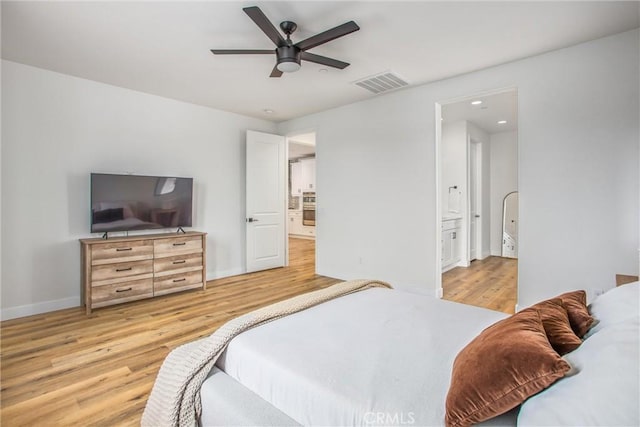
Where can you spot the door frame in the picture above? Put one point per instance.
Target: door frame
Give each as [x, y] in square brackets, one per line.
[477, 187]
[289, 135]
[438, 173]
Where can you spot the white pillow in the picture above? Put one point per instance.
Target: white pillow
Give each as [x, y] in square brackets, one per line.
[604, 392]
[615, 305]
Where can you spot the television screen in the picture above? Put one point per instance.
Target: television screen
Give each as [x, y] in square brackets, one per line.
[135, 202]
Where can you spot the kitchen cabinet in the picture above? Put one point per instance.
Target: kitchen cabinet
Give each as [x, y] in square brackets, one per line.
[296, 179]
[303, 176]
[295, 226]
[308, 174]
[450, 243]
[295, 222]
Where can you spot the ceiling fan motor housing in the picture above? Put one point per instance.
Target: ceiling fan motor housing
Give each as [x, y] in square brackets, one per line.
[287, 57]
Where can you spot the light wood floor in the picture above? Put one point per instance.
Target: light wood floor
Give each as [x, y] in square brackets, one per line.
[64, 368]
[491, 283]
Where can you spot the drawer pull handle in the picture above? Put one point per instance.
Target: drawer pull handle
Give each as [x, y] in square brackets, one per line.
[179, 280]
[179, 262]
[122, 269]
[180, 244]
[123, 249]
[124, 290]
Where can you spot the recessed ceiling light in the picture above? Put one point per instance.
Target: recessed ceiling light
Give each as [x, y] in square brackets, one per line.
[477, 102]
[502, 122]
[268, 111]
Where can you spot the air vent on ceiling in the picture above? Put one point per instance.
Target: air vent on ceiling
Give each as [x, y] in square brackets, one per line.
[382, 82]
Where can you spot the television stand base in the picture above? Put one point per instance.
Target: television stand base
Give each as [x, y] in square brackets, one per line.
[180, 229]
[105, 235]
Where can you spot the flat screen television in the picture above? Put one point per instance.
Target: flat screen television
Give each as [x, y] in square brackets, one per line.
[136, 202]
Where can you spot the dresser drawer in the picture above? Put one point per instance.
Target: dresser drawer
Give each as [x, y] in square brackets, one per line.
[112, 273]
[177, 264]
[108, 253]
[177, 246]
[177, 282]
[121, 292]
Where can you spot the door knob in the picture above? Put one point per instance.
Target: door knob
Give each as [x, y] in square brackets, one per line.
[477, 216]
[252, 220]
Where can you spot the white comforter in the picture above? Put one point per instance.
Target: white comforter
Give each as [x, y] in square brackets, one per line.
[377, 357]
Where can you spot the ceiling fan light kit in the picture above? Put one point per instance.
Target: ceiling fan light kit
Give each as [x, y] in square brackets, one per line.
[288, 54]
[288, 59]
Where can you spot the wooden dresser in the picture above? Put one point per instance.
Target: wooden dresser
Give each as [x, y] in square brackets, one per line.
[124, 269]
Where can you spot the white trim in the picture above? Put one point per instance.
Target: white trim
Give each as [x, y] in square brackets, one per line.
[39, 307]
[438, 234]
[227, 273]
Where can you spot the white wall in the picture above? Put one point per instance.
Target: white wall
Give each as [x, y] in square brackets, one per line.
[578, 172]
[454, 166]
[504, 180]
[58, 129]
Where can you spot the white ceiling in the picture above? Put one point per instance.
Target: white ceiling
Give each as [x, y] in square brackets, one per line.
[300, 150]
[302, 145]
[163, 47]
[494, 108]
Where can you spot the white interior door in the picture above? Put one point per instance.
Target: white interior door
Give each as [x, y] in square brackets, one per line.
[266, 199]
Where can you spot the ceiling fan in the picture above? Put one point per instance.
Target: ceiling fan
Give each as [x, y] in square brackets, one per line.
[287, 53]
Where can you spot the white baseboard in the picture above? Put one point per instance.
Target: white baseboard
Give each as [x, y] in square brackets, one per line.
[439, 292]
[227, 273]
[39, 308]
[449, 267]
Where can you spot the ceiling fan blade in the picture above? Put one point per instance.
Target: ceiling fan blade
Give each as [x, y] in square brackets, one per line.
[240, 51]
[275, 72]
[323, 60]
[265, 25]
[327, 36]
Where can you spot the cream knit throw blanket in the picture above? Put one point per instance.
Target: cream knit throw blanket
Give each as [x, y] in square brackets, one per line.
[175, 397]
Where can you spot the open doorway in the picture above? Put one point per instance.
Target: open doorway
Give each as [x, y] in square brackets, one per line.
[301, 215]
[477, 169]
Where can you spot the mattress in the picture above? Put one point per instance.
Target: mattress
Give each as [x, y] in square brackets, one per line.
[377, 357]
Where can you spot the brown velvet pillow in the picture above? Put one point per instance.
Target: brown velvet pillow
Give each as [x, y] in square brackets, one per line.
[576, 304]
[556, 325]
[504, 365]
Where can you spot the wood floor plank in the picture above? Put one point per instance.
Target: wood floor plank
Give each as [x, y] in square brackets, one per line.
[66, 369]
[490, 283]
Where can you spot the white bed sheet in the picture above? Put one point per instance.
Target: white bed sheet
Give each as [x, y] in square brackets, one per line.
[376, 357]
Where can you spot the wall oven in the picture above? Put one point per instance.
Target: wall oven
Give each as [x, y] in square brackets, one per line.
[309, 208]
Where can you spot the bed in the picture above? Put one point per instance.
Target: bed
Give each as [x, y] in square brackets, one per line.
[387, 357]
